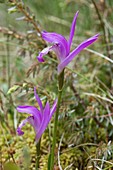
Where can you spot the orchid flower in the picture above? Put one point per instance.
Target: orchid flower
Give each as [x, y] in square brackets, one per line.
[62, 47]
[39, 119]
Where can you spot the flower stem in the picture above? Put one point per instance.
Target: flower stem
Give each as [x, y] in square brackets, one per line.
[37, 154]
[60, 88]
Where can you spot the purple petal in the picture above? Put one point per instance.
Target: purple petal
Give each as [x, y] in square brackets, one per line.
[83, 45]
[38, 100]
[34, 123]
[31, 110]
[72, 31]
[54, 38]
[42, 53]
[45, 121]
[53, 109]
[19, 131]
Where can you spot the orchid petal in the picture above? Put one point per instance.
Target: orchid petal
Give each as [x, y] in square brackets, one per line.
[29, 119]
[72, 31]
[39, 119]
[83, 45]
[42, 53]
[38, 100]
[53, 109]
[55, 48]
[58, 39]
[45, 121]
[31, 110]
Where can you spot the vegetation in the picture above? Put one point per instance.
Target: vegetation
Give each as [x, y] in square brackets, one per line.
[85, 132]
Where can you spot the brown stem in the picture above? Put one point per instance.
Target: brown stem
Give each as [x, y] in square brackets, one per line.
[77, 95]
[103, 27]
[106, 38]
[30, 19]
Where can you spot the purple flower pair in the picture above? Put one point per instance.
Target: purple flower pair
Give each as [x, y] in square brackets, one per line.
[62, 47]
[39, 119]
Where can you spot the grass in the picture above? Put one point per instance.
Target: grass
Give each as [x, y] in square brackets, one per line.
[85, 118]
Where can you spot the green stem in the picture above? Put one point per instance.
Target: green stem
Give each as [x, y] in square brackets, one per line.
[60, 88]
[37, 154]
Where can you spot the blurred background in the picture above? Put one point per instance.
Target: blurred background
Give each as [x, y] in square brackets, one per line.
[86, 113]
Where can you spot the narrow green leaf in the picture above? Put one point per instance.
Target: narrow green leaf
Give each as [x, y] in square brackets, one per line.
[13, 89]
[49, 161]
[11, 166]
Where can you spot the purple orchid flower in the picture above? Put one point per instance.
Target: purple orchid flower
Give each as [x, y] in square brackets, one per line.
[39, 119]
[62, 47]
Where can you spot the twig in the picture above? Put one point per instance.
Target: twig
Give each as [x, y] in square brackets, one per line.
[12, 33]
[102, 160]
[11, 154]
[99, 54]
[77, 95]
[8, 63]
[29, 18]
[69, 166]
[81, 145]
[59, 151]
[103, 27]
[100, 97]
[109, 115]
